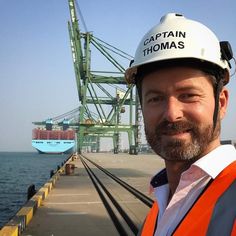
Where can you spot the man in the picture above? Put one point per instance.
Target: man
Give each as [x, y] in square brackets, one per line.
[180, 69]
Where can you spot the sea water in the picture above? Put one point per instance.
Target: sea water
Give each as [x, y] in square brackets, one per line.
[18, 171]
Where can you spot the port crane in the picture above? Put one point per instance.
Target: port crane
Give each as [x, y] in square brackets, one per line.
[104, 95]
[108, 106]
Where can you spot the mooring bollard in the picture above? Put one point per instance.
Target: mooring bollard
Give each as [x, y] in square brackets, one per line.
[70, 169]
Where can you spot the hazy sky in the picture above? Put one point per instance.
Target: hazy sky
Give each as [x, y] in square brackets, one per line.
[36, 72]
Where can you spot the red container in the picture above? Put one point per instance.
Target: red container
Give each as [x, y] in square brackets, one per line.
[53, 134]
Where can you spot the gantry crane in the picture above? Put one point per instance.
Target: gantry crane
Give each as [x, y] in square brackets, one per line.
[104, 96]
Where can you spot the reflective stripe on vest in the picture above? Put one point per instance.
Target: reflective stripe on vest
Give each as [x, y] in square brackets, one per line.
[209, 211]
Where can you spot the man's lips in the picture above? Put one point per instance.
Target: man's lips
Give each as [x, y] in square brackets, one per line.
[175, 132]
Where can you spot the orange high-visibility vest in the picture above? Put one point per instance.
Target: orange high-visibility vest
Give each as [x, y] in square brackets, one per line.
[214, 212]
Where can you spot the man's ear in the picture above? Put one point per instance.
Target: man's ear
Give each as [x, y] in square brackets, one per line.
[223, 102]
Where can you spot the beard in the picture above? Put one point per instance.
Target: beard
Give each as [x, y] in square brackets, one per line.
[175, 149]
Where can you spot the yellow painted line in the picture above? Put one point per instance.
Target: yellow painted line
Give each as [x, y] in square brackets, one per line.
[9, 231]
[57, 175]
[38, 199]
[49, 186]
[53, 181]
[44, 190]
[27, 212]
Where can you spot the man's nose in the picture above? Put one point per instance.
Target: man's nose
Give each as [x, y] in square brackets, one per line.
[173, 110]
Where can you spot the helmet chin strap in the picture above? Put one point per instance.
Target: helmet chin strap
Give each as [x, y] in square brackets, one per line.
[216, 111]
[217, 98]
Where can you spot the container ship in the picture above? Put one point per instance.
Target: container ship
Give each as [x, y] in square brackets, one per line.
[53, 141]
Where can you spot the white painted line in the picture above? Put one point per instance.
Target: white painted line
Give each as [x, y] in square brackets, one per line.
[71, 203]
[69, 194]
[85, 203]
[67, 213]
[131, 201]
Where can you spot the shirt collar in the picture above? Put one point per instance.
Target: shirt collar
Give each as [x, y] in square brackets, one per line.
[212, 164]
[215, 161]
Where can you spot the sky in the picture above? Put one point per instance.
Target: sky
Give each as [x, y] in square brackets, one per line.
[37, 78]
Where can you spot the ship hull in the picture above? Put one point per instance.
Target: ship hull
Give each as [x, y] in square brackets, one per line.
[53, 146]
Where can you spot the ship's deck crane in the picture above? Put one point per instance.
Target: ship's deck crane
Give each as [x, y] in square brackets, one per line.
[103, 96]
[64, 120]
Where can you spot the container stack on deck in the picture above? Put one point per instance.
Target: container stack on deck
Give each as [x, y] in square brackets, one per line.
[53, 134]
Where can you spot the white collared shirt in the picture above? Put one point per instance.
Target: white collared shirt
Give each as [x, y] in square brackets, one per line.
[192, 182]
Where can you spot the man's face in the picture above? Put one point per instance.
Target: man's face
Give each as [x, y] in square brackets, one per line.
[178, 106]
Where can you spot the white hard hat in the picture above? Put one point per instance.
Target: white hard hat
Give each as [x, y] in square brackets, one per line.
[176, 37]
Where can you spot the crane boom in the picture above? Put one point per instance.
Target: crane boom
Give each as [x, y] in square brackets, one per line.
[96, 92]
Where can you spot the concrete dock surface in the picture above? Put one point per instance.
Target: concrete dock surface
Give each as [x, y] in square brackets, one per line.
[73, 207]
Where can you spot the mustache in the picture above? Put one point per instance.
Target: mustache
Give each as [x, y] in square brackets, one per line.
[166, 127]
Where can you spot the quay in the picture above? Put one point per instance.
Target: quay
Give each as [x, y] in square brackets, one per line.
[70, 205]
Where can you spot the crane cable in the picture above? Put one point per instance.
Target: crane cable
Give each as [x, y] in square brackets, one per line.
[109, 46]
[64, 115]
[81, 16]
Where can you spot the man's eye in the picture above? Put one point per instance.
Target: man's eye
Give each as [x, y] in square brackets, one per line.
[189, 97]
[155, 99]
